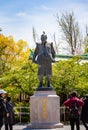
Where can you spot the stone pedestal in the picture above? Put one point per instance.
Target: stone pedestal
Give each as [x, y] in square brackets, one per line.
[44, 110]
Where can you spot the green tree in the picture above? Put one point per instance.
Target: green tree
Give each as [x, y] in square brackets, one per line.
[20, 80]
[69, 75]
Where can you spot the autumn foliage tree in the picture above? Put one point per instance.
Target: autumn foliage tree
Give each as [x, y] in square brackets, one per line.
[16, 71]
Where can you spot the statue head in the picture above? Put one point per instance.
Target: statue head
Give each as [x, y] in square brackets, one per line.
[43, 37]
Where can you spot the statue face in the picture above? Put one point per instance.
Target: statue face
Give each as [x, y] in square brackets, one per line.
[43, 38]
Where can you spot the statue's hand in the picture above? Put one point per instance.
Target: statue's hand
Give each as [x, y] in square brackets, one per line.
[34, 61]
[53, 61]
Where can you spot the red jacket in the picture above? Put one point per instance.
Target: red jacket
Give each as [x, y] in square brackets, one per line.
[69, 102]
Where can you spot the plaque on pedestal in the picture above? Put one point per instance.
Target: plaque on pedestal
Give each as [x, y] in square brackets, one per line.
[44, 110]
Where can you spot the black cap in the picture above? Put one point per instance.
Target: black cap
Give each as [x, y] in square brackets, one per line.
[74, 93]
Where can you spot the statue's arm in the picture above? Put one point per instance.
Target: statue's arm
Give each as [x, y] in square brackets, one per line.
[52, 51]
[35, 54]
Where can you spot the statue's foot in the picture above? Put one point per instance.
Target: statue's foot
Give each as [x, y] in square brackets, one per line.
[48, 84]
[40, 85]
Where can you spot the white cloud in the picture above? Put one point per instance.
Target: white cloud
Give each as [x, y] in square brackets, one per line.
[21, 14]
[46, 8]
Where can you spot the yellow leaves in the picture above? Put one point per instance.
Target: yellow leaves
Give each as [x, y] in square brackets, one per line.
[21, 51]
[13, 53]
[22, 43]
[3, 43]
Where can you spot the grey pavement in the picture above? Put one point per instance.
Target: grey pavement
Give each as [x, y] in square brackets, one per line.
[24, 127]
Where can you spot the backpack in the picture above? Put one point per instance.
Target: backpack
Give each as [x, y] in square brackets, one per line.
[74, 112]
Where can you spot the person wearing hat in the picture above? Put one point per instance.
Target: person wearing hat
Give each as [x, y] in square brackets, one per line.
[3, 109]
[84, 112]
[9, 121]
[44, 55]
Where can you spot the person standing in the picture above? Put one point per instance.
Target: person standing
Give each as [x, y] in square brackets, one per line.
[74, 100]
[9, 121]
[84, 112]
[3, 109]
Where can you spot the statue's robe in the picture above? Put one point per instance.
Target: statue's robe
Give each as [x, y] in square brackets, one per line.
[44, 56]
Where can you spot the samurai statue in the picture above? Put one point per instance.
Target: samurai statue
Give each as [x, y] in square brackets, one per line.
[44, 56]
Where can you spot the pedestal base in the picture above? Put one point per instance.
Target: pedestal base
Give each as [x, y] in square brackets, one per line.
[45, 88]
[44, 110]
[45, 125]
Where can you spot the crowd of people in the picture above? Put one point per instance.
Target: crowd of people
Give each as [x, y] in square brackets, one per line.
[6, 111]
[75, 113]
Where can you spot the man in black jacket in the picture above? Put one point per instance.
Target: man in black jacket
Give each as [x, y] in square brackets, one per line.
[2, 107]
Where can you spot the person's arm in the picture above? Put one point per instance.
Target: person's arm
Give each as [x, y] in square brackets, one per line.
[5, 109]
[67, 103]
[81, 103]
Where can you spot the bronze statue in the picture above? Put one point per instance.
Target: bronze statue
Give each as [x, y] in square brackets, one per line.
[44, 55]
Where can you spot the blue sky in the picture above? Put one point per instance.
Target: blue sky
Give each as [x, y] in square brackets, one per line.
[17, 17]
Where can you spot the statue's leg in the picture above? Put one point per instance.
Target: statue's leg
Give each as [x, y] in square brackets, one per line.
[41, 80]
[48, 80]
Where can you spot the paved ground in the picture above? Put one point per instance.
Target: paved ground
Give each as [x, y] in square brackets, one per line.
[23, 127]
